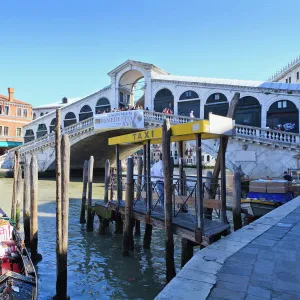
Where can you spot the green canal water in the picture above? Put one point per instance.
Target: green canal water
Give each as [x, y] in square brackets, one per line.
[96, 267]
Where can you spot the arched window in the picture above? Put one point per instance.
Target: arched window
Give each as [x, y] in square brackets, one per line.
[284, 113]
[185, 108]
[85, 113]
[41, 131]
[163, 99]
[29, 136]
[208, 158]
[41, 114]
[34, 116]
[188, 95]
[217, 104]
[52, 125]
[102, 105]
[248, 112]
[70, 119]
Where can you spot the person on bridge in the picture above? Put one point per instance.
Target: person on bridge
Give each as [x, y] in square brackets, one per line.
[287, 176]
[157, 177]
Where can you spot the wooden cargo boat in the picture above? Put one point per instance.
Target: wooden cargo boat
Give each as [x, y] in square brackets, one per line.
[18, 278]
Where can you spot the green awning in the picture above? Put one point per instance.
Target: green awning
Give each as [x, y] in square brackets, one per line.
[9, 144]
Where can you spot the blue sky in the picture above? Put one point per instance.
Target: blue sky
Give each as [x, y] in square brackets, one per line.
[53, 49]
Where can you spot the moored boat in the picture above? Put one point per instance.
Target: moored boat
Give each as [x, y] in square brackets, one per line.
[18, 278]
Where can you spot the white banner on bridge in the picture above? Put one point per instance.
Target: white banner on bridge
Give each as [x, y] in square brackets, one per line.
[121, 119]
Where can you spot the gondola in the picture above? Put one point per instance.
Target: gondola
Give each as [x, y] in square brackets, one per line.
[18, 278]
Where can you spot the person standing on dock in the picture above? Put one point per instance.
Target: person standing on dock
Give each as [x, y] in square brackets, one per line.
[157, 176]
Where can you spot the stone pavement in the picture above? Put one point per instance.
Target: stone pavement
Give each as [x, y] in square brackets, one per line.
[259, 261]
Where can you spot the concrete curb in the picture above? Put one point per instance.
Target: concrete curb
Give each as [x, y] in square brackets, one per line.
[196, 279]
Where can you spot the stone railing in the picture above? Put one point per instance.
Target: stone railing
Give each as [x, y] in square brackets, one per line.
[151, 116]
[267, 134]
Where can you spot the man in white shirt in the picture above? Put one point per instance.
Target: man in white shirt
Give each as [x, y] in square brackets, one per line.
[157, 176]
[192, 114]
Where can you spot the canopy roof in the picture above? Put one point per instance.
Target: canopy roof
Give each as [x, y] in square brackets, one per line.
[214, 128]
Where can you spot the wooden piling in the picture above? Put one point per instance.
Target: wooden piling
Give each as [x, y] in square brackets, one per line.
[236, 202]
[90, 214]
[62, 268]
[148, 176]
[58, 196]
[200, 209]
[139, 178]
[180, 167]
[208, 192]
[107, 180]
[137, 228]
[84, 188]
[147, 236]
[222, 151]
[187, 250]
[127, 234]
[34, 208]
[26, 202]
[168, 190]
[14, 195]
[119, 224]
[18, 197]
[119, 174]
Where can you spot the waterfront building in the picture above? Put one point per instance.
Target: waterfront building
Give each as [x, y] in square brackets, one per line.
[14, 114]
[289, 73]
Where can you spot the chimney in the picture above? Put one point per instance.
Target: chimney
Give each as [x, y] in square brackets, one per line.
[11, 94]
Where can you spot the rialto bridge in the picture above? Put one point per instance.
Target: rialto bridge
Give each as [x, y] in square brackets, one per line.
[259, 150]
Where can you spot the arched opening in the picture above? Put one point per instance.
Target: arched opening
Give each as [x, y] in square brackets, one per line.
[29, 136]
[163, 99]
[85, 113]
[217, 104]
[41, 131]
[41, 114]
[248, 112]
[70, 119]
[34, 116]
[284, 113]
[131, 89]
[102, 105]
[52, 125]
[189, 102]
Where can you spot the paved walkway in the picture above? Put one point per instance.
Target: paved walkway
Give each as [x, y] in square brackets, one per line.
[259, 261]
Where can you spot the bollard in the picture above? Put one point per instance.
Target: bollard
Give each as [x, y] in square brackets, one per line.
[128, 224]
[83, 199]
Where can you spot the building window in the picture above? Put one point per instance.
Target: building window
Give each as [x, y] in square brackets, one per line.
[202, 157]
[5, 130]
[6, 110]
[19, 131]
[287, 81]
[208, 158]
[19, 112]
[41, 114]
[290, 79]
[298, 75]
[217, 97]
[25, 113]
[282, 104]
[0, 130]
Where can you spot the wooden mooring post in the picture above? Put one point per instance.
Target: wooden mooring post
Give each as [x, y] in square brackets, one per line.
[90, 214]
[14, 195]
[34, 209]
[63, 267]
[236, 202]
[84, 188]
[139, 184]
[168, 191]
[187, 250]
[18, 197]
[107, 180]
[26, 202]
[128, 243]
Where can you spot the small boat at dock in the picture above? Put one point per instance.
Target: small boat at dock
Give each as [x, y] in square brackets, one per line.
[18, 278]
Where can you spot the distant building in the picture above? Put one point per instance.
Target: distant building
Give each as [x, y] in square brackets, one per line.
[14, 114]
[289, 73]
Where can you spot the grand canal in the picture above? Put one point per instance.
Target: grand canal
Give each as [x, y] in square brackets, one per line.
[96, 267]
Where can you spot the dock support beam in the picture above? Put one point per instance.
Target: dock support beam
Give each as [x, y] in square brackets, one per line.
[187, 250]
[84, 188]
[128, 224]
[236, 202]
[90, 214]
[222, 151]
[199, 210]
[119, 174]
[107, 180]
[149, 184]
[180, 166]
[168, 191]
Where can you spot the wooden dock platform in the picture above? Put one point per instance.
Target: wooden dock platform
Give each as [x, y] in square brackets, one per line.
[184, 224]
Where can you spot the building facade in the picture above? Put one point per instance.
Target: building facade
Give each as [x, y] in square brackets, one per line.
[14, 114]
